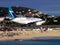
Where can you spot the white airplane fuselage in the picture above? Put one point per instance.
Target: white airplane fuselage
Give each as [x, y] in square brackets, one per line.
[25, 20]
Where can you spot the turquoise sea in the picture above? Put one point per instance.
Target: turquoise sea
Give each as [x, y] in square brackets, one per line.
[30, 42]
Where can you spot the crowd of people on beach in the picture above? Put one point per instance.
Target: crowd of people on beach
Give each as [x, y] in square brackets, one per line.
[9, 31]
[10, 28]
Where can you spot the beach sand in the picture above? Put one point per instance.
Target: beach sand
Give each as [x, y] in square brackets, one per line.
[12, 35]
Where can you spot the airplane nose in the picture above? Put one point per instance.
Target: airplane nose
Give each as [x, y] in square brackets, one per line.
[40, 23]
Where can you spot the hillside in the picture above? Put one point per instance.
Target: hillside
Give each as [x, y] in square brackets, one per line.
[28, 12]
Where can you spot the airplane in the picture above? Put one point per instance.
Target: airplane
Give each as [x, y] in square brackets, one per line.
[24, 20]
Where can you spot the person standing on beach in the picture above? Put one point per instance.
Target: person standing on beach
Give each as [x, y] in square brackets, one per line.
[46, 28]
[41, 29]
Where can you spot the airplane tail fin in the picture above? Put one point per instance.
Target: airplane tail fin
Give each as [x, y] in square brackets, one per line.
[11, 13]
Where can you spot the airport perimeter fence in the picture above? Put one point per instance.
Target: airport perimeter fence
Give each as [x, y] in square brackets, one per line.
[51, 26]
[54, 27]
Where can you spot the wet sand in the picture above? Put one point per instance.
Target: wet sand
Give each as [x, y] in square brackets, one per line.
[12, 35]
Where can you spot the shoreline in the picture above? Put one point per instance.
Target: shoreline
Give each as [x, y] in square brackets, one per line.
[34, 39]
[30, 35]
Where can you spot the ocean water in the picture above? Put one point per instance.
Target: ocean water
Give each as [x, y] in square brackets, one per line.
[40, 42]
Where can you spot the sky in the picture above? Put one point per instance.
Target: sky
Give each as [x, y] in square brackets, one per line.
[47, 6]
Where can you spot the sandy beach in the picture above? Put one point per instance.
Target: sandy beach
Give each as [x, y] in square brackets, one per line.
[12, 35]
